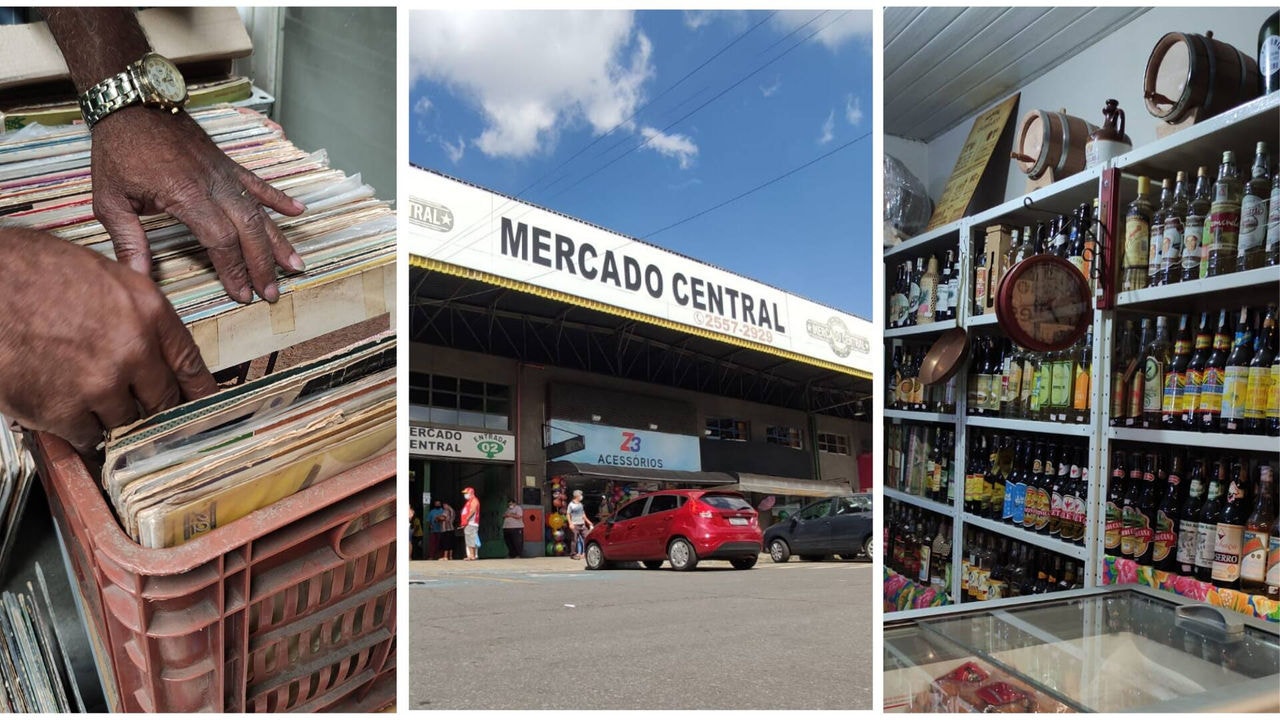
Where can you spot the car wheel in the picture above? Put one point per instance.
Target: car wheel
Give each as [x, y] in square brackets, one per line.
[868, 547]
[779, 550]
[595, 557]
[653, 564]
[681, 555]
[745, 563]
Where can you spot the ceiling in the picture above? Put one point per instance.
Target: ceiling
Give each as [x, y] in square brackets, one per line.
[942, 65]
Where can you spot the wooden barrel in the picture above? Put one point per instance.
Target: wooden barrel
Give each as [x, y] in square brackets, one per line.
[1050, 140]
[1188, 72]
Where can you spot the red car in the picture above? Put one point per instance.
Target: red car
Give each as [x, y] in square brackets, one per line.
[679, 526]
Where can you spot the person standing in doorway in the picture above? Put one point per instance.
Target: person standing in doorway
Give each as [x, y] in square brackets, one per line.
[513, 529]
[578, 523]
[471, 522]
[435, 530]
[447, 539]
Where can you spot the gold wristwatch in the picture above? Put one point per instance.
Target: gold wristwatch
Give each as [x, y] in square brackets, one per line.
[153, 80]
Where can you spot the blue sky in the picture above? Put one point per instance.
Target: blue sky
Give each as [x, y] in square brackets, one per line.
[509, 100]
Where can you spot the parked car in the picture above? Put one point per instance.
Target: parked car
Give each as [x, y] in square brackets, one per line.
[838, 525]
[682, 527]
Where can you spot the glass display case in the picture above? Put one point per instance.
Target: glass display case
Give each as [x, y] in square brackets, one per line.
[1125, 648]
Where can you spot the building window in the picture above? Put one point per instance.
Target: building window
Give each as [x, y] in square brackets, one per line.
[832, 443]
[782, 435]
[457, 401]
[727, 429]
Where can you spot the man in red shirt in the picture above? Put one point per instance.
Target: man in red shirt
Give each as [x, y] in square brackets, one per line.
[471, 522]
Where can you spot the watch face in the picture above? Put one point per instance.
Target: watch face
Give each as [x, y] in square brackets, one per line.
[1043, 303]
[165, 78]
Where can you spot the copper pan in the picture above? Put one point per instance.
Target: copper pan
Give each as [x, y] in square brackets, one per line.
[945, 357]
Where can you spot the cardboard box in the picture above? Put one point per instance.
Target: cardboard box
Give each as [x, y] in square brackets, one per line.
[995, 249]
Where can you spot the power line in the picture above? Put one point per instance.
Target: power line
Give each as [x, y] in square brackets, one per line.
[759, 187]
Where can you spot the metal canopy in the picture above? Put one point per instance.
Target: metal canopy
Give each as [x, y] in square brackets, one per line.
[610, 472]
[467, 314]
[749, 482]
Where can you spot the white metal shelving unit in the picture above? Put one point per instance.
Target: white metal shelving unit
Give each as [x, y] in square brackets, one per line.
[1201, 144]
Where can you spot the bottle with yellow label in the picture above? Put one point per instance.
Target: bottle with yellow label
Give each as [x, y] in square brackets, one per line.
[1137, 238]
[1258, 390]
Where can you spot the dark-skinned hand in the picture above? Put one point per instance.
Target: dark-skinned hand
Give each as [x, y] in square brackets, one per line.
[147, 161]
[87, 344]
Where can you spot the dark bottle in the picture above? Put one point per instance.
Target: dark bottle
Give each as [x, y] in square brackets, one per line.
[980, 287]
[1195, 374]
[1121, 359]
[1253, 562]
[1043, 497]
[1196, 225]
[1259, 392]
[1011, 401]
[1157, 357]
[982, 359]
[1214, 380]
[1210, 514]
[1032, 502]
[1071, 500]
[1174, 234]
[1236, 376]
[1144, 522]
[993, 483]
[1016, 492]
[1137, 382]
[1269, 54]
[1129, 510]
[1189, 519]
[1137, 238]
[913, 290]
[1056, 481]
[1175, 378]
[1253, 213]
[999, 377]
[1224, 219]
[1230, 533]
[1165, 554]
[945, 308]
[1077, 239]
[898, 299]
[1114, 520]
[1155, 251]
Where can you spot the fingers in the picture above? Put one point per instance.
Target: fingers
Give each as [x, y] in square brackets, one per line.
[268, 195]
[127, 236]
[283, 251]
[255, 244]
[182, 355]
[221, 238]
[84, 432]
[116, 409]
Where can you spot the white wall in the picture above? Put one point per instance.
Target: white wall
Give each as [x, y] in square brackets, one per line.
[1112, 68]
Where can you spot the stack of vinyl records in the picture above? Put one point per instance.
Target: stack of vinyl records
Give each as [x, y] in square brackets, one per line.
[203, 464]
[17, 475]
[44, 185]
[34, 666]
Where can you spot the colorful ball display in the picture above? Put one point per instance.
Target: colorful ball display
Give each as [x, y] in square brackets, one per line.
[558, 535]
[559, 548]
[551, 548]
[555, 521]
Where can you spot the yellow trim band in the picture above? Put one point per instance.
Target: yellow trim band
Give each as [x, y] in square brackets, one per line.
[491, 279]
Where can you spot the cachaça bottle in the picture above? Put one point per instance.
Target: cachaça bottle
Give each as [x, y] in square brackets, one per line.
[1195, 374]
[1174, 227]
[1157, 357]
[1230, 531]
[1253, 213]
[1207, 528]
[1164, 555]
[1236, 377]
[1257, 528]
[1137, 238]
[1114, 519]
[1259, 386]
[1175, 378]
[1145, 520]
[1129, 511]
[1224, 220]
[1214, 379]
[1081, 368]
[928, 303]
[1196, 225]
[1121, 358]
[1137, 381]
[1188, 520]
[1155, 248]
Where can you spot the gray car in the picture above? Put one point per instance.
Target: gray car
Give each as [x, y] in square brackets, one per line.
[838, 525]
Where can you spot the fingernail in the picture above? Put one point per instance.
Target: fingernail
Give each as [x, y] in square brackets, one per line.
[244, 294]
[298, 204]
[271, 293]
[295, 262]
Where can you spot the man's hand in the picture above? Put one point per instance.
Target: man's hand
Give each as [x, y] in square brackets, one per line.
[147, 161]
[85, 343]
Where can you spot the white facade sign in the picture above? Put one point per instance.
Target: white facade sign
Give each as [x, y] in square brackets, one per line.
[428, 441]
[463, 225]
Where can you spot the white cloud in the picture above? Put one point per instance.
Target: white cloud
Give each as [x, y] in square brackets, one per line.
[422, 106]
[828, 129]
[770, 90]
[837, 26]
[532, 74]
[453, 150]
[676, 145]
[853, 110]
[697, 19]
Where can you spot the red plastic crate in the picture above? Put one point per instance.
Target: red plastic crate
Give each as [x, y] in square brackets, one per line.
[288, 609]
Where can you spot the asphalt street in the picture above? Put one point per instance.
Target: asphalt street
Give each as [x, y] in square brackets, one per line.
[545, 633]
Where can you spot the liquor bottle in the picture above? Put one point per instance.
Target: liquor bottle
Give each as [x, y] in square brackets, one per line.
[1196, 225]
[1230, 530]
[1081, 368]
[1156, 358]
[999, 377]
[1056, 482]
[1224, 220]
[971, 469]
[1031, 504]
[1273, 560]
[1207, 528]
[1272, 250]
[928, 293]
[1253, 213]
[1137, 381]
[1174, 228]
[1017, 489]
[1165, 554]
[1269, 54]
[1188, 520]
[981, 361]
[1273, 394]
[1195, 374]
[916, 271]
[925, 553]
[1121, 358]
[1129, 511]
[1253, 562]
[940, 554]
[1043, 503]
[1144, 520]
[945, 309]
[1038, 382]
[980, 285]
[1214, 379]
[1155, 248]
[1175, 377]
[1011, 405]
[1137, 238]
[1114, 519]
[1077, 239]
[1236, 377]
[1259, 389]
[1061, 388]
[897, 299]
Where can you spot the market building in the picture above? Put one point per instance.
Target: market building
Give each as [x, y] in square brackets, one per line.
[545, 350]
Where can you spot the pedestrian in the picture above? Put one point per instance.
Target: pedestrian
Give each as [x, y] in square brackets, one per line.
[447, 537]
[471, 522]
[415, 536]
[513, 529]
[435, 536]
[578, 523]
